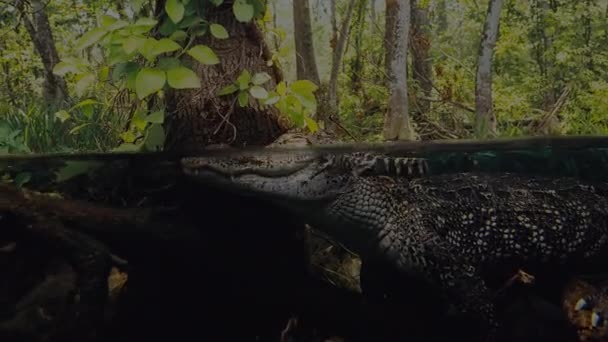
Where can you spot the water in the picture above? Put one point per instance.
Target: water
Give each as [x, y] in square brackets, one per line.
[238, 264]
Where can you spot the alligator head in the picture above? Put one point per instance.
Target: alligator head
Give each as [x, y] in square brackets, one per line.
[298, 176]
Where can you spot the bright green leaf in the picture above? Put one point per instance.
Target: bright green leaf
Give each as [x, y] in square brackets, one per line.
[143, 25]
[303, 87]
[218, 31]
[103, 73]
[272, 98]
[203, 54]
[90, 38]
[244, 79]
[258, 92]
[139, 120]
[165, 45]
[156, 117]
[147, 49]
[229, 89]
[243, 11]
[133, 43]
[281, 88]
[62, 115]
[127, 137]
[116, 25]
[260, 78]
[311, 124]
[181, 78]
[155, 139]
[83, 103]
[175, 10]
[243, 98]
[149, 81]
[179, 36]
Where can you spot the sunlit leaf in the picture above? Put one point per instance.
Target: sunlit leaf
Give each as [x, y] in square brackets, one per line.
[90, 38]
[62, 115]
[311, 124]
[218, 31]
[156, 117]
[149, 81]
[260, 78]
[175, 10]
[204, 55]
[165, 45]
[62, 68]
[244, 79]
[84, 84]
[243, 11]
[79, 127]
[178, 36]
[182, 78]
[243, 98]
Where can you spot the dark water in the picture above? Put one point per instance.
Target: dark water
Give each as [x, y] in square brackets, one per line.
[215, 266]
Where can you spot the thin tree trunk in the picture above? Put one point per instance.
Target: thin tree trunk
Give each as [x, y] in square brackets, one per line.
[39, 30]
[397, 123]
[421, 61]
[357, 64]
[485, 120]
[306, 64]
[336, 60]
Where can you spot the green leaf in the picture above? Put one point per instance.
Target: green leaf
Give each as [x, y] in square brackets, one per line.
[311, 124]
[83, 103]
[116, 25]
[155, 139]
[243, 79]
[133, 43]
[167, 27]
[75, 168]
[258, 92]
[272, 98]
[165, 45]
[62, 68]
[217, 2]
[84, 84]
[143, 25]
[79, 127]
[243, 98]
[149, 81]
[147, 49]
[303, 87]
[189, 22]
[138, 121]
[260, 78]
[179, 36]
[167, 63]
[22, 178]
[243, 11]
[229, 89]
[218, 31]
[62, 115]
[182, 78]
[127, 147]
[175, 10]
[156, 117]
[127, 136]
[281, 88]
[90, 38]
[203, 54]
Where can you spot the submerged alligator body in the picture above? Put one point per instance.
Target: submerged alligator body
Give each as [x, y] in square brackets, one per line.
[444, 229]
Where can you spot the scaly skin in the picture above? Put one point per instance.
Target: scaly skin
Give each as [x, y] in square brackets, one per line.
[442, 229]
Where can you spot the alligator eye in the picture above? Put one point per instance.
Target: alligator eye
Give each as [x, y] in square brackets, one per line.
[582, 304]
[597, 320]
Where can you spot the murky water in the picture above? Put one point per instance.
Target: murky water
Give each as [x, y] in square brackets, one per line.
[238, 264]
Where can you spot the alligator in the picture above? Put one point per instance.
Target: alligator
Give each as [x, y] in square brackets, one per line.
[442, 230]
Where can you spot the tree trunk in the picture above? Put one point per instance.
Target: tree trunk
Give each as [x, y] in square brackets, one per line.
[338, 43]
[198, 117]
[38, 27]
[485, 120]
[306, 63]
[357, 63]
[421, 61]
[397, 123]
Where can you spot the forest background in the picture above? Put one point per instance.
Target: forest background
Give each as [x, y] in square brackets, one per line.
[126, 75]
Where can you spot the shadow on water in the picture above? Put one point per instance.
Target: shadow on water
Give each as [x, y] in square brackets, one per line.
[215, 265]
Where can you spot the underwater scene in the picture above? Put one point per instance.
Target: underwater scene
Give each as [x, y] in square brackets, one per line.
[324, 243]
